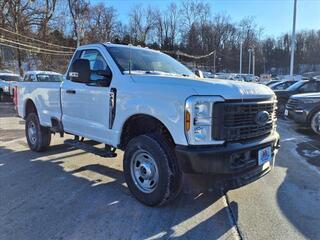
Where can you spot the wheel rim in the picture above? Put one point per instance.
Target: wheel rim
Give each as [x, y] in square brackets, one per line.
[315, 123]
[32, 132]
[144, 171]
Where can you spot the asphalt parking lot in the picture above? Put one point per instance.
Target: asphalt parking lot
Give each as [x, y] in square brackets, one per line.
[65, 193]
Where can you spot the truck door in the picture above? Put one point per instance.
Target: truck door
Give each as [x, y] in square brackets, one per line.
[85, 107]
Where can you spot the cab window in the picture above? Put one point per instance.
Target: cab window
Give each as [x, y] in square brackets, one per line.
[32, 78]
[26, 78]
[96, 63]
[49, 78]
[280, 86]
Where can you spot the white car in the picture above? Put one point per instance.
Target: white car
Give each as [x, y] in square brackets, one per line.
[7, 83]
[42, 76]
[167, 120]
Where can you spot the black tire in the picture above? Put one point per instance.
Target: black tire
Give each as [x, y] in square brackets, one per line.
[1, 96]
[170, 176]
[42, 136]
[314, 122]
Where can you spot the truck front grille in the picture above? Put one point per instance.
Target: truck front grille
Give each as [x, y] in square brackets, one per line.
[233, 121]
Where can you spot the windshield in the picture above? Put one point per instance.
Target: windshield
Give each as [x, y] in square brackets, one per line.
[10, 78]
[49, 78]
[296, 86]
[272, 82]
[282, 85]
[146, 62]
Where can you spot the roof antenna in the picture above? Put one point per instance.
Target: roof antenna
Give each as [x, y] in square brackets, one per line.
[130, 45]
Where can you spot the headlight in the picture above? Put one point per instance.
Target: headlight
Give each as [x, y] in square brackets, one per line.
[198, 119]
[202, 109]
[306, 101]
[201, 134]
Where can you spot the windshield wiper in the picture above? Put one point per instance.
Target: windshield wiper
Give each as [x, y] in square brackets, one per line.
[146, 72]
[155, 73]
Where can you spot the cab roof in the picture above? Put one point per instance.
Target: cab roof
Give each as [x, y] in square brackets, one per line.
[9, 74]
[115, 45]
[42, 72]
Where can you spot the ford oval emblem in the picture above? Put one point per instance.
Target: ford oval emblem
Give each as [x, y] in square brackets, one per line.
[262, 117]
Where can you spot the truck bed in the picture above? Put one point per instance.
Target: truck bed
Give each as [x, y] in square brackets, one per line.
[45, 95]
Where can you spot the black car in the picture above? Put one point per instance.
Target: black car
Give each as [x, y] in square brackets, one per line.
[272, 82]
[282, 85]
[303, 86]
[305, 109]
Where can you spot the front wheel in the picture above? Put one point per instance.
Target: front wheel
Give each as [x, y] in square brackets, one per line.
[315, 122]
[38, 137]
[151, 170]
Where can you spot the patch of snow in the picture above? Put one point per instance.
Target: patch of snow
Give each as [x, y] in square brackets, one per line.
[311, 153]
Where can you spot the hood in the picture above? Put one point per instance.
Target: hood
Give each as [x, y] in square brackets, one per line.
[282, 93]
[2, 82]
[228, 89]
[306, 95]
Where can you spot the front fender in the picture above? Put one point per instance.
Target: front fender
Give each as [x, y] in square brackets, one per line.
[168, 110]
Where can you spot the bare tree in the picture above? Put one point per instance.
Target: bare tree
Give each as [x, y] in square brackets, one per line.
[79, 13]
[173, 22]
[20, 16]
[102, 23]
[142, 22]
[193, 11]
[48, 9]
[187, 26]
[166, 26]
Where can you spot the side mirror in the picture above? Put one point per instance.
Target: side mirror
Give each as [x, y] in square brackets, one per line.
[80, 71]
[104, 73]
[199, 73]
[106, 77]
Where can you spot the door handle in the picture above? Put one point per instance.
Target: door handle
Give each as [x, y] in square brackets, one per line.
[71, 91]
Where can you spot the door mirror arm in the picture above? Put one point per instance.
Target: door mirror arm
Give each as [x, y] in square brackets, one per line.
[104, 73]
[100, 83]
[107, 74]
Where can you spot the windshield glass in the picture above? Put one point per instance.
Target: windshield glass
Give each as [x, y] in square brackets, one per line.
[296, 86]
[10, 78]
[282, 85]
[49, 78]
[146, 62]
[272, 82]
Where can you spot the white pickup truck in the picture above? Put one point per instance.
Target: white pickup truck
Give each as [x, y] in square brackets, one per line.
[8, 81]
[166, 119]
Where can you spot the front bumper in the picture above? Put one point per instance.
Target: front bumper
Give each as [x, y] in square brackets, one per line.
[236, 163]
[299, 116]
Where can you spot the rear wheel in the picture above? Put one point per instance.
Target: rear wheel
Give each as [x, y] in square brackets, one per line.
[150, 170]
[315, 122]
[38, 137]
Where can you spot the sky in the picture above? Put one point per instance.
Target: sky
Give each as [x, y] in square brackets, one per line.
[274, 16]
